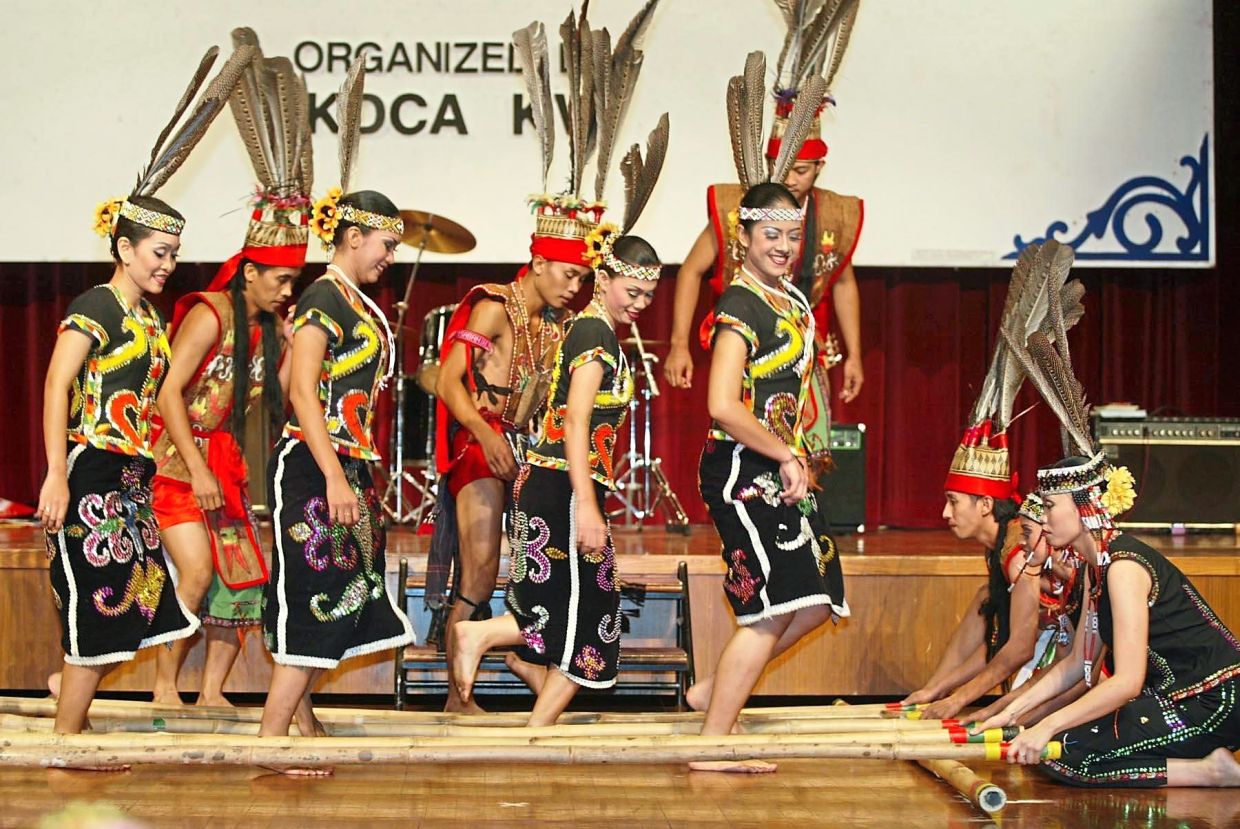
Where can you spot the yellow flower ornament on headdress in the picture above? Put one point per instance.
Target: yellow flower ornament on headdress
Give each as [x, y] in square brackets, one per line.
[106, 213]
[325, 215]
[1121, 491]
[595, 240]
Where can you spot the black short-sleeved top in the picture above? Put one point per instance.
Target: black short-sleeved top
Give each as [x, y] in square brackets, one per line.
[352, 365]
[114, 394]
[775, 384]
[1190, 649]
[589, 338]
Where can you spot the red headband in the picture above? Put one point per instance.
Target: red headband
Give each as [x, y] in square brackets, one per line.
[814, 149]
[274, 256]
[557, 249]
[999, 490]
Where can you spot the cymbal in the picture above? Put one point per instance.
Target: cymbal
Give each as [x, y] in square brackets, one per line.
[440, 235]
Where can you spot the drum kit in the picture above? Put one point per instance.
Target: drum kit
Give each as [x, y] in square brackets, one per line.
[426, 232]
[642, 488]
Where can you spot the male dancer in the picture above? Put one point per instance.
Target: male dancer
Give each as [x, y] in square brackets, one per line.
[495, 356]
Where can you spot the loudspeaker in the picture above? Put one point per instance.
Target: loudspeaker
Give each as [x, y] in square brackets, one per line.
[1187, 470]
[843, 491]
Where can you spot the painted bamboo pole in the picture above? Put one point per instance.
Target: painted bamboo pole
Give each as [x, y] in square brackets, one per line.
[14, 726]
[88, 750]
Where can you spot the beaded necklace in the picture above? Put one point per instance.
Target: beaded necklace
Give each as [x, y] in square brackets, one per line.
[522, 319]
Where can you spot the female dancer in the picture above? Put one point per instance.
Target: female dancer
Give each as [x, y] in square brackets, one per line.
[1166, 713]
[109, 578]
[563, 592]
[784, 577]
[327, 599]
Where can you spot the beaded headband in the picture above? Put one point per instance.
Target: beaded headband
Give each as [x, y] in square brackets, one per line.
[617, 266]
[1033, 508]
[771, 214]
[1072, 478]
[375, 221]
[328, 213]
[1101, 492]
[108, 212]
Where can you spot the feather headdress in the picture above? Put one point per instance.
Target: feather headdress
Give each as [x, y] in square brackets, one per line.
[271, 110]
[1101, 491]
[601, 80]
[1040, 301]
[818, 32]
[174, 144]
[328, 212]
[814, 47]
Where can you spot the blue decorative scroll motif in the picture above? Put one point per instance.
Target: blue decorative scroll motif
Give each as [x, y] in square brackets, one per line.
[1152, 198]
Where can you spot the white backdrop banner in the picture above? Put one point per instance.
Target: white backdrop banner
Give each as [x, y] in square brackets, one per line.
[970, 127]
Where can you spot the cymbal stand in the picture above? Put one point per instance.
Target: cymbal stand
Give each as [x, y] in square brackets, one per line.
[399, 477]
[641, 487]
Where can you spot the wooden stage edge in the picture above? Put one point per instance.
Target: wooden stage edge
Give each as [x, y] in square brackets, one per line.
[905, 589]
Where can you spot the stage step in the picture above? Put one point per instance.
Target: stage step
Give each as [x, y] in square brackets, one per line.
[642, 666]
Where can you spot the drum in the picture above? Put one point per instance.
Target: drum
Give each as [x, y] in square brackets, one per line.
[420, 402]
[434, 327]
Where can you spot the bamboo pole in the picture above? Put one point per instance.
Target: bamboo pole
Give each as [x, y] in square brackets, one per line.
[36, 730]
[876, 728]
[89, 750]
[361, 716]
[982, 793]
[513, 737]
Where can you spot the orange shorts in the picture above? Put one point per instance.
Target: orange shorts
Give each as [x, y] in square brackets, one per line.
[174, 503]
[470, 462]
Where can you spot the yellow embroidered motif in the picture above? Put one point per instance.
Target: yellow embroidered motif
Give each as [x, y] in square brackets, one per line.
[126, 354]
[355, 358]
[787, 354]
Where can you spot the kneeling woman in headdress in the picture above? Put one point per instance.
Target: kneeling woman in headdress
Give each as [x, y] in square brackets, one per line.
[1168, 711]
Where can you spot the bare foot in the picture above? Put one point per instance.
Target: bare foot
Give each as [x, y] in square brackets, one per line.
[301, 771]
[470, 648]
[308, 725]
[166, 696]
[53, 685]
[1224, 769]
[213, 701]
[455, 705]
[734, 766]
[698, 695]
[529, 673]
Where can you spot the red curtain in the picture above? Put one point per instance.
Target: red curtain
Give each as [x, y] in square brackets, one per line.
[1157, 338]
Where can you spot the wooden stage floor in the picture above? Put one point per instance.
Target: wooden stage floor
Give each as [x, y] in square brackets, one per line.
[901, 587]
[803, 793]
[931, 573]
